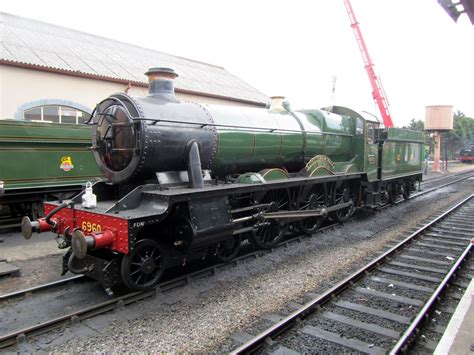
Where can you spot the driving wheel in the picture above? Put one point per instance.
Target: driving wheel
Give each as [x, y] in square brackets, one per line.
[270, 232]
[342, 193]
[311, 198]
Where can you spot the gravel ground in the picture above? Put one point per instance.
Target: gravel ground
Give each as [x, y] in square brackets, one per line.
[39, 260]
[352, 332]
[31, 310]
[33, 272]
[201, 317]
[365, 317]
[306, 344]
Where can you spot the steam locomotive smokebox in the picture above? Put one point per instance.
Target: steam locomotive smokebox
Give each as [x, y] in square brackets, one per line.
[439, 118]
[139, 136]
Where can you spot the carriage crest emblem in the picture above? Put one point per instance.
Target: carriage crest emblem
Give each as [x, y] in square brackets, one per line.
[66, 164]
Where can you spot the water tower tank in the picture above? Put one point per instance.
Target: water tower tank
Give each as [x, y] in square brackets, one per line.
[439, 118]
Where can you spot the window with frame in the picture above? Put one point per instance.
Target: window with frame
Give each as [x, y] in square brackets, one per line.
[370, 133]
[57, 114]
[359, 126]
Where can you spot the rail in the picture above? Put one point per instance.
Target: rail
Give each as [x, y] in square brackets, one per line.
[261, 339]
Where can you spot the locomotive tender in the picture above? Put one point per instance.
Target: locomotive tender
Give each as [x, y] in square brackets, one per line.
[188, 181]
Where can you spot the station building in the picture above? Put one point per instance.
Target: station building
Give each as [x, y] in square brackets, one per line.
[52, 73]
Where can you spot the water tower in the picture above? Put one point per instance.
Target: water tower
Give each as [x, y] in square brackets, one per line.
[438, 119]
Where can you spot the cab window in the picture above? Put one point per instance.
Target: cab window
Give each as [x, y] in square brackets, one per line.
[370, 133]
[359, 126]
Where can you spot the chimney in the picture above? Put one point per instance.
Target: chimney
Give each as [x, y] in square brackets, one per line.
[277, 104]
[161, 83]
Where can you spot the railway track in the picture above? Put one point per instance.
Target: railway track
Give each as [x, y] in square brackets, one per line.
[39, 288]
[436, 179]
[118, 302]
[20, 335]
[451, 179]
[382, 307]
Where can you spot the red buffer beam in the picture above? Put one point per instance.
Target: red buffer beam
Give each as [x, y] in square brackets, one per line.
[377, 89]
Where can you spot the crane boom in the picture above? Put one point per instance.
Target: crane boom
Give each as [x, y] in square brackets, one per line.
[377, 89]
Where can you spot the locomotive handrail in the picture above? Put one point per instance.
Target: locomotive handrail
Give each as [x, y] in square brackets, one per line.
[202, 125]
[271, 130]
[96, 108]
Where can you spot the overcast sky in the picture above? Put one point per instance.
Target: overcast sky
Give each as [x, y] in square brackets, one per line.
[294, 48]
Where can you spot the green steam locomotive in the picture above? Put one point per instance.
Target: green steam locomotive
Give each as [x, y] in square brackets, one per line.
[188, 181]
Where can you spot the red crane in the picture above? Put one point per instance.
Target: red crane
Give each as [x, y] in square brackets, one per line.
[377, 89]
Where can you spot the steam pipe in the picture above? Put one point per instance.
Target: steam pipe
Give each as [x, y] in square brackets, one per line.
[194, 165]
[54, 211]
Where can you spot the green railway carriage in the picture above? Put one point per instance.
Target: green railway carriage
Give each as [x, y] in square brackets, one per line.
[41, 160]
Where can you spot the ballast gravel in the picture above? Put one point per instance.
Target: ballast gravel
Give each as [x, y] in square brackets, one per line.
[202, 316]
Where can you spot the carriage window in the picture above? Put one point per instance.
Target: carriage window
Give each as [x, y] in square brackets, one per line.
[370, 133]
[56, 113]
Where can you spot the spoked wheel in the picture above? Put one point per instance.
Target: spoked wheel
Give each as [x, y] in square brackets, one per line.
[311, 198]
[271, 231]
[342, 193]
[228, 249]
[142, 268]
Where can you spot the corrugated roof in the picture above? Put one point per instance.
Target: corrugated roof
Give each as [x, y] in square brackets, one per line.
[31, 42]
[469, 9]
[455, 8]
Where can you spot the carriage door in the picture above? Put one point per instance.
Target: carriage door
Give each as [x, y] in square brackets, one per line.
[372, 151]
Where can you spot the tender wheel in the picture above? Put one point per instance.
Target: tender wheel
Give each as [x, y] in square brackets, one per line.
[342, 194]
[142, 268]
[311, 198]
[228, 249]
[270, 232]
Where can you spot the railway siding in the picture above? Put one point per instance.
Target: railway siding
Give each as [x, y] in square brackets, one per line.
[381, 307]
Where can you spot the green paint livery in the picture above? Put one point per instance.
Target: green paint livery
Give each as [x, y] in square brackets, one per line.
[292, 140]
[44, 155]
